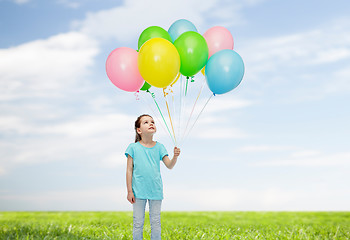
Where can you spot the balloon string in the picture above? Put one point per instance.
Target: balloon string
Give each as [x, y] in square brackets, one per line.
[186, 85]
[173, 103]
[173, 98]
[167, 106]
[185, 90]
[189, 119]
[170, 89]
[137, 95]
[154, 114]
[181, 102]
[174, 109]
[154, 99]
[198, 117]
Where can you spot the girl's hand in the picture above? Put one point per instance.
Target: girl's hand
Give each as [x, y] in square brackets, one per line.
[131, 197]
[176, 152]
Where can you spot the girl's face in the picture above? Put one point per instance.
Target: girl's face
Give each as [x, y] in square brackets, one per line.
[147, 126]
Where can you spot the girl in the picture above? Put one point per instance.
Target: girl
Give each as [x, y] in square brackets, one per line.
[143, 179]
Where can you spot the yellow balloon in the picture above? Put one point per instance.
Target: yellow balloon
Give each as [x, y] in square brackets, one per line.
[158, 62]
[203, 71]
[177, 78]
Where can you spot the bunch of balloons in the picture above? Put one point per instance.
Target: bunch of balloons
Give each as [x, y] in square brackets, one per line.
[163, 55]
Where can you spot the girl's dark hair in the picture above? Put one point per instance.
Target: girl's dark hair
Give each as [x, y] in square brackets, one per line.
[137, 125]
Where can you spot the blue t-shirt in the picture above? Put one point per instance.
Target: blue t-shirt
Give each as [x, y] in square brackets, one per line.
[146, 179]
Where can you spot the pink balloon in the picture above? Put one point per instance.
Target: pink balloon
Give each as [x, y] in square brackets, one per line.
[122, 69]
[218, 38]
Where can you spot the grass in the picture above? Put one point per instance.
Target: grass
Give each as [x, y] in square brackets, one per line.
[177, 225]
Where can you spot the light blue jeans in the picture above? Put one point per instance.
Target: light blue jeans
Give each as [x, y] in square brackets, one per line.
[139, 218]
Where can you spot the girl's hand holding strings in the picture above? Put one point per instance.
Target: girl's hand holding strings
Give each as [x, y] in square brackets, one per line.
[176, 152]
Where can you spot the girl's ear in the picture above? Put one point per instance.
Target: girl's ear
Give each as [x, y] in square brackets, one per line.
[138, 130]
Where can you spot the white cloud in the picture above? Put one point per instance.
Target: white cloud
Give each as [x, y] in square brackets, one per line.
[83, 126]
[307, 48]
[209, 125]
[306, 153]
[98, 139]
[2, 171]
[91, 126]
[226, 103]
[308, 159]
[340, 81]
[216, 132]
[114, 160]
[332, 55]
[140, 14]
[307, 65]
[11, 123]
[46, 67]
[264, 148]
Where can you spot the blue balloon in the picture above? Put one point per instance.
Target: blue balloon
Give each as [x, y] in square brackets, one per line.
[179, 27]
[224, 71]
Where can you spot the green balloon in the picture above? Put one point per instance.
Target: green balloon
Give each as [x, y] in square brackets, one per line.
[153, 32]
[194, 52]
[145, 86]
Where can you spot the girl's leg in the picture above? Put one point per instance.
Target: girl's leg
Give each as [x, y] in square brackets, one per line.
[154, 217]
[139, 218]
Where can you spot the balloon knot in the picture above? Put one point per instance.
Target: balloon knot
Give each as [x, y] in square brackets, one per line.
[165, 93]
[170, 89]
[137, 95]
[152, 94]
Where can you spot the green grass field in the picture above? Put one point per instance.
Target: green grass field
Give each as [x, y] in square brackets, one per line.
[177, 225]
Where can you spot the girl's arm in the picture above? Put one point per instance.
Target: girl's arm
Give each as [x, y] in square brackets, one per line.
[129, 169]
[171, 163]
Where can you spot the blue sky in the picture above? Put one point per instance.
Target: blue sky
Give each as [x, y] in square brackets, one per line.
[280, 141]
